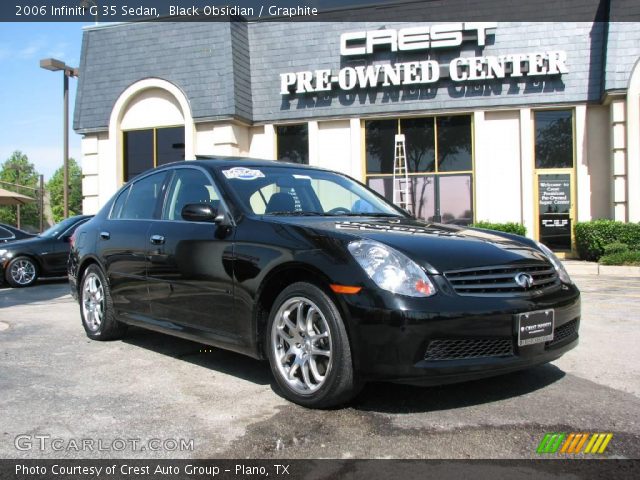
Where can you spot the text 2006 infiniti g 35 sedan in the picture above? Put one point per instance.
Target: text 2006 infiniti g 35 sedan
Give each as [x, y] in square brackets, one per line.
[320, 275]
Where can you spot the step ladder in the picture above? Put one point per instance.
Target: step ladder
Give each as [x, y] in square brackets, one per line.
[401, 183]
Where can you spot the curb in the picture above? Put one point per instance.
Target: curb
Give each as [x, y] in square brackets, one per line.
[574, 267]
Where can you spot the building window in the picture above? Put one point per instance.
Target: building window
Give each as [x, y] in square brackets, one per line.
[293, 143]
[439, 163]
[554, 139]
[145, 149]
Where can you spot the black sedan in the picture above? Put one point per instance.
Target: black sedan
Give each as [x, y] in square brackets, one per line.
[320, 275]
[11, 234]
[22, 262]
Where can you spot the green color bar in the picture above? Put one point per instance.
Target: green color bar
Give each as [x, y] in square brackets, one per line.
[542, 448]
[551, 442]
[559, 440]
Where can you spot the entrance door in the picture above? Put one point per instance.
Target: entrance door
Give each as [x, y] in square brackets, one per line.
[554, 187]
[555, 209]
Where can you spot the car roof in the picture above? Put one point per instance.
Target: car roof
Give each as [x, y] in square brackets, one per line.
[216, 161]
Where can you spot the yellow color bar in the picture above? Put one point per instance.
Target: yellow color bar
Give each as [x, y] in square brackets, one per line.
[599, 441]
[594, 437]
[605, 443]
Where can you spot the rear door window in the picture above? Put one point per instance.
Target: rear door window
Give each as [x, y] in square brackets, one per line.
[142, 201]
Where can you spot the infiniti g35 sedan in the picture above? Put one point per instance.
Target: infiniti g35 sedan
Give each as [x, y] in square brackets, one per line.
[320, 275]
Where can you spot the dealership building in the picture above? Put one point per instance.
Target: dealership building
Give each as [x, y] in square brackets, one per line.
[529, 122]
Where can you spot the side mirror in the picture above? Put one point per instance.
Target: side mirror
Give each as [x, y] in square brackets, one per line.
[201, 212]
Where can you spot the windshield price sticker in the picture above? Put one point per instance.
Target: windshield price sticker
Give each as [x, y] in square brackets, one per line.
[242, 173]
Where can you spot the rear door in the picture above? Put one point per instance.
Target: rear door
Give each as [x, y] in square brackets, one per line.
[122, 242]
[190, 263]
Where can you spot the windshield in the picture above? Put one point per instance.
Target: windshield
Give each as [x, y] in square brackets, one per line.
[300, 191]
[58, 228]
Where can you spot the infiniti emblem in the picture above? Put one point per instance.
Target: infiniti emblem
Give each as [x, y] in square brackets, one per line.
[524, 280]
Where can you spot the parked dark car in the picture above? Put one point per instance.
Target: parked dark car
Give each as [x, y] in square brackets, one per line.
[22, 262]
[11, 234]
[319, 274]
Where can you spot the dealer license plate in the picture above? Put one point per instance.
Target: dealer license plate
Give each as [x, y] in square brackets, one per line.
[535, 327]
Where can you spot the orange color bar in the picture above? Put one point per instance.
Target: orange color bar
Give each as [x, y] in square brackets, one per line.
[582, 442]
[567, 443]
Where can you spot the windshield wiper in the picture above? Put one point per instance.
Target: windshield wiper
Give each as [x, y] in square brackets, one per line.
[368, 214]
[295, 213]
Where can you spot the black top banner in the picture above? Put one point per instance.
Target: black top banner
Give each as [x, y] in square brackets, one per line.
[108, 11]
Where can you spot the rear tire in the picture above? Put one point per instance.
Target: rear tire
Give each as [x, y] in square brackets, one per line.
[21, 272]
[308, 348]
[96, 307]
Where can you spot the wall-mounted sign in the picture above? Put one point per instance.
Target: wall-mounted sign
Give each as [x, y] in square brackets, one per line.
[554, 193]
[415, 38]
[423, 38]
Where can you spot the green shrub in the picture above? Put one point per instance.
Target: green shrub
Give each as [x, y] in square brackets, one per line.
[509, 227]
[616, 247]
[630, 257]
[591, 237]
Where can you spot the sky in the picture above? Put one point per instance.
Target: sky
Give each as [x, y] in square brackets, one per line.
[31, 101]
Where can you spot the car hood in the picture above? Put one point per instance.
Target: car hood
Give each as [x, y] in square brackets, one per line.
[443, 247]
[22, 244]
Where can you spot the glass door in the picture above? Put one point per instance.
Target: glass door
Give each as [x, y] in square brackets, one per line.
[555, 210]
[554, 187]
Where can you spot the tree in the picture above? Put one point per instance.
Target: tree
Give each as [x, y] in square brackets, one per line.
[18, 170]
[55, 187]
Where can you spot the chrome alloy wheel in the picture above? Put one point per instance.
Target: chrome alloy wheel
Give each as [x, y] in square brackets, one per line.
[301, 342]
[23, 272]
[93, 301]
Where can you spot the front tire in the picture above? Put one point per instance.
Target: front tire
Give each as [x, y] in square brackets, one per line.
[308, 348]
[96, 307]
[21, 272]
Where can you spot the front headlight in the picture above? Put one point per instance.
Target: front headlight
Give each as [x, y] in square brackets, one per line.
[391, 270]
[3, 252]
[557, 264]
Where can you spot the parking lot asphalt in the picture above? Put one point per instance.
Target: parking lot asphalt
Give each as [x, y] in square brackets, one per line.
[65, 396]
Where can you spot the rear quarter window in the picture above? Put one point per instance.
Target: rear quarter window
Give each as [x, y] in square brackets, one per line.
[5, 234]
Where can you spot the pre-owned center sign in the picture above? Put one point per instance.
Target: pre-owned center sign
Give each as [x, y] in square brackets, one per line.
[422, 38]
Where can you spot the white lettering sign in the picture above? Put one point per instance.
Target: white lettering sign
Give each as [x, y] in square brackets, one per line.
[460, 69]
[414, 38]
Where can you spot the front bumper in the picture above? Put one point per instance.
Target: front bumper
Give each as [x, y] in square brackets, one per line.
[393, 337]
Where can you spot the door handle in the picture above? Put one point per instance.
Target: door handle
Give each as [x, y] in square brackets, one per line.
[105, 235]
[157, 239]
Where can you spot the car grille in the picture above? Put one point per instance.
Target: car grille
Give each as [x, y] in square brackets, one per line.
[500, 280]
[563, 332]
[460, 349]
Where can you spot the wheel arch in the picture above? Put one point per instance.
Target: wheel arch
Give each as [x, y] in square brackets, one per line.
[86, 263]
[276, 281]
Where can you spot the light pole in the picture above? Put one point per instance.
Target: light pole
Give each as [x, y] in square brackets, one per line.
[55, 65]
